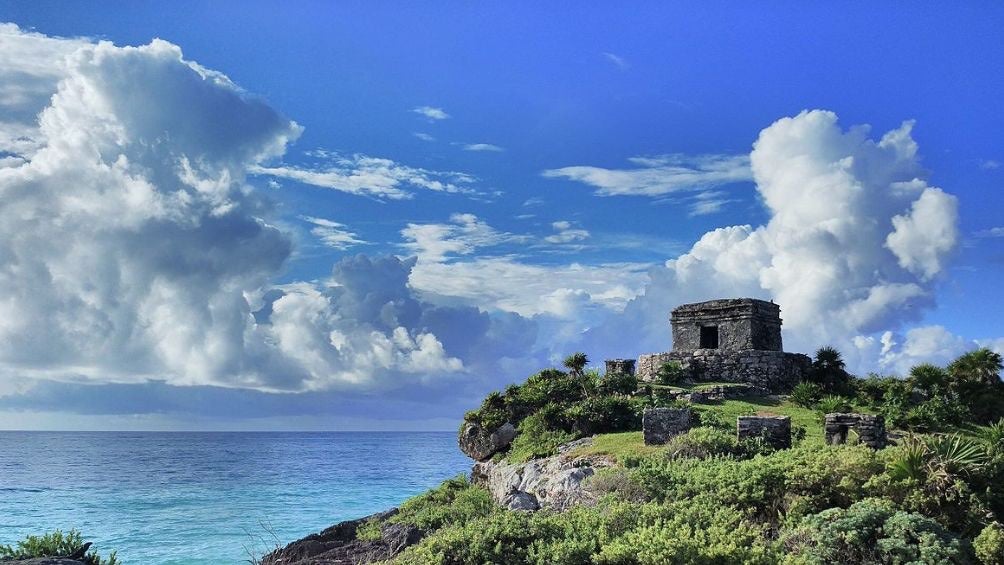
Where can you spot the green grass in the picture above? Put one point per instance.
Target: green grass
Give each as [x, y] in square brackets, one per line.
[804, 417]
[619, 445]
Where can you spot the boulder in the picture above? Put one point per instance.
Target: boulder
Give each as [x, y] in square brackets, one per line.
[552, 482]
[480, 444]
[338, 544]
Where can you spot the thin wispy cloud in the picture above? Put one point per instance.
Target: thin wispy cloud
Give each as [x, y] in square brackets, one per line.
[431, 112]
[990, 164]
[991, 232]
[423, 136]
[565, 232]
[482, 147]
[332, 234]
[370, 176]
[618, 61]
[660, 175]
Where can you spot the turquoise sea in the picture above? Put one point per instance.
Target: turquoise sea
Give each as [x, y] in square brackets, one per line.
[202, 498]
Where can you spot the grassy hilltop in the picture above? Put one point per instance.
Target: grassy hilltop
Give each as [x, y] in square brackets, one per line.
[935, 497]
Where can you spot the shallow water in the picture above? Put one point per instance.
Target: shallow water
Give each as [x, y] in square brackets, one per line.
[201, 498]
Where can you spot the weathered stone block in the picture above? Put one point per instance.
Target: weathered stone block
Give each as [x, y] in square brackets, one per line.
[775, 430]
[733, 324]
[622, 366]
[660, 424]
[870, 429]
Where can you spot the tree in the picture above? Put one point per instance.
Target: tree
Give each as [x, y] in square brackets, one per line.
[828, 370]
[576, 363]
[981, 366]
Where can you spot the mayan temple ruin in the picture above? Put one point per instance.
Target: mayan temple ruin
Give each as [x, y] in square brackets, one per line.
[731, 340]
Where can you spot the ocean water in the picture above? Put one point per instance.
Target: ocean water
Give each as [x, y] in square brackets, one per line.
[203, 498]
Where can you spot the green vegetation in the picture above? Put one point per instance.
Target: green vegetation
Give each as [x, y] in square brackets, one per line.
[54, 544]
[705, 497]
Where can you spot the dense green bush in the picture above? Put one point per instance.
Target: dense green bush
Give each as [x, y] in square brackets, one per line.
[456, 500]
[806, 394]
[53, 544]
[871, 531]
[989, 545]
[539, 437]
[670, 373]
[618, 383]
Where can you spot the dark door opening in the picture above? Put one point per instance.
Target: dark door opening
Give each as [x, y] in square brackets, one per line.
[709, 337]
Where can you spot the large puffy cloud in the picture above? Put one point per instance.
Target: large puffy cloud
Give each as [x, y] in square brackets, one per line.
[132, 248]
[855, 238]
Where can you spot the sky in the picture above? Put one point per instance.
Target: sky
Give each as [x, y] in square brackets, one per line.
[366, 215]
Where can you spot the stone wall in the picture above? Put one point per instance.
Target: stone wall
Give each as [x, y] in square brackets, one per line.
[775, 371]
[870, 429]
[622, 366]
[775, 430]
[743, 323]
[660, 424]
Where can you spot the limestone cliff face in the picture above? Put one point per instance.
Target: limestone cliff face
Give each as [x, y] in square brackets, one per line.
[552, 482]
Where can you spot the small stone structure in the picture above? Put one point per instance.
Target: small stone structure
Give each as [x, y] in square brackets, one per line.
[622, 366]
[775, 430]
[733, 340]
[660, 424]
[870, 429]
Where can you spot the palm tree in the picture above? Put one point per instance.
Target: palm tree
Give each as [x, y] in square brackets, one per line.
[576, 363]
[828, 370]
[981, 366]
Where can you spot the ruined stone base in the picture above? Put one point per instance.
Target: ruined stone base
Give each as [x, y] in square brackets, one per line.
[775, 371]
[660, 424]
[775, 430]
[870, 429]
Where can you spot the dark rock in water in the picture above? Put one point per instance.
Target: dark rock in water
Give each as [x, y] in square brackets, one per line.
[480, 444]
[338, 544]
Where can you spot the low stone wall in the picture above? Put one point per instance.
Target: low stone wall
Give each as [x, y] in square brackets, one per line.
[622, 366]
[775, 371]
[660, 424]
[775, 430]
[870, 429]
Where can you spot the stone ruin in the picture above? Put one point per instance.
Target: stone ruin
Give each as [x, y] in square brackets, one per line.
[735, 340]
[774, 430]
[622, 366]
[658, 425]
[870, 429]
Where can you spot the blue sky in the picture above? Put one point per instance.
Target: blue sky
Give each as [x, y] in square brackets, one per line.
[515, 177]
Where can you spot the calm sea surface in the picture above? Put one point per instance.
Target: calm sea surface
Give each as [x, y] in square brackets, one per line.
[194, 498]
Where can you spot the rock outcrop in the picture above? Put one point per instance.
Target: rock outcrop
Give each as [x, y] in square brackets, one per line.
[552, 482]
[338, 544]
[479, 444]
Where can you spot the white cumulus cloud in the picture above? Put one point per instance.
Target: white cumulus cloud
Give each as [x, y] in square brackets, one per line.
[431, 112]
[854, 239]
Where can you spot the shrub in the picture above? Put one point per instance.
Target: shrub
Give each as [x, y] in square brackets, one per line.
[703, 442]
[700, 530]
[616, 482]
[618, 383]
[602, 414]
[455, 500]
[53, 544]
[538, 436]
[806, 394]
[670, 373]
[989, 545]
[871, 531]
[832, 403]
